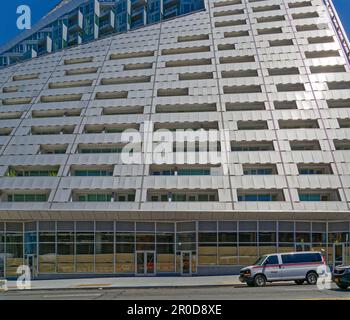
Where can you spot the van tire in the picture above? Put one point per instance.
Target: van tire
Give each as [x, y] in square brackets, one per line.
[311, 277]
[342, 286]
[299, 282]
[260, 280]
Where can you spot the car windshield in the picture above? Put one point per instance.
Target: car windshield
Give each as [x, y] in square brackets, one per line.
[260, 261]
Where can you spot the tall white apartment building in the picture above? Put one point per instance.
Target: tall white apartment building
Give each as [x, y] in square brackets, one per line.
[271, 77]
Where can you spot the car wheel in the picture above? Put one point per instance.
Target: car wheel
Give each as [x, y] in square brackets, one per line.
[342, 286]
[299, 282]
[311, 278]
[260, 280]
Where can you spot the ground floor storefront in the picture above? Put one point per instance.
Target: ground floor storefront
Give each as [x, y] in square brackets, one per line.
[66, 248]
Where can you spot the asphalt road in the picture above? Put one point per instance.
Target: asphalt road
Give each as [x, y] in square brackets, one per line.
[284, 291]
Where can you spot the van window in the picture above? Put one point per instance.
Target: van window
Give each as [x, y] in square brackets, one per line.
[311, 257]
[301, 257]
[272, 260]
[260, 260]
[288, 258]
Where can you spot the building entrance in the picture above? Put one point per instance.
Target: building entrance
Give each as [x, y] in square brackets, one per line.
[186, 263]
[145, 263]
[31, 263]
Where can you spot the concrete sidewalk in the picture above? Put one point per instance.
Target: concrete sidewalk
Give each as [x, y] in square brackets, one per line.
[130, 282]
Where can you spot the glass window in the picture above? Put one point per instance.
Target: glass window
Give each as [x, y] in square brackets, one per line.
[125, 237]
[185, 237]
[87, 248]
[212, 197]
[47, 249]
[125, 248]
[14, 237]
[286, 237]
[154, 198]
[104, 237]
[262, 171]
[264, 197]
[165, 237]
[227, 254]
[227, 237]
[310, 257]
[30, 237]
[14, 227]
[27, 198]
[121, 198]
[267, 236]
[272, 260]
[65, 236]
[207, 254]
[14, 258]
[319, 237]
[207, 237]
[309, 197]
[179, 197]
[145, 246]
[145, 238]
[288, 258]
[186, 246]
[65, 249]
[267, 248]
[248, 253]
[93, 173]
[203, 197]
[256, 197]
[95, 197]
[302, 237]
[338, 237]
[131, 197]
[300, 258]
[85, 237]
[104, 248]
[247, 236]
[165, 248]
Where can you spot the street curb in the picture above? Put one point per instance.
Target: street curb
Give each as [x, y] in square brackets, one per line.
[125, 287]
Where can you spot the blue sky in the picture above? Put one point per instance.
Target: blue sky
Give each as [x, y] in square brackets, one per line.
[8, 16]
[343, 9]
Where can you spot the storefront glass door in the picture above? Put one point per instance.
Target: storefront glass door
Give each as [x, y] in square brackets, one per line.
[186, 265]
[145, 263]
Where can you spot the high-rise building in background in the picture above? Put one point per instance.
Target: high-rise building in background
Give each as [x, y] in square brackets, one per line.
[271, 77]
[73, 22]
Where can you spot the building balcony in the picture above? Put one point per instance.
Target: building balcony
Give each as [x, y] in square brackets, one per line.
[182, 195]
[103, 196]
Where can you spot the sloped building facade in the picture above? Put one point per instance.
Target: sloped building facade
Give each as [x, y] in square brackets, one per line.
[272, 75]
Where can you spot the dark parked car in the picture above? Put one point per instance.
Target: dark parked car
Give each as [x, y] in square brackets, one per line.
[341, 276]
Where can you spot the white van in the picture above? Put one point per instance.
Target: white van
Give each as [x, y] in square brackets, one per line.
[297, 266]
